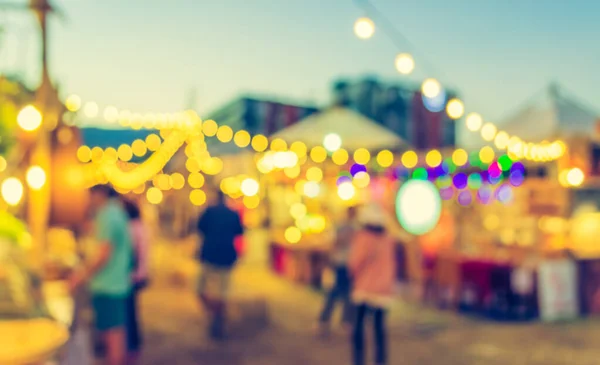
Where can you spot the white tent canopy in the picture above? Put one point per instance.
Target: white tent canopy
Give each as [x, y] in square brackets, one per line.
[354, 129]
[553, 115]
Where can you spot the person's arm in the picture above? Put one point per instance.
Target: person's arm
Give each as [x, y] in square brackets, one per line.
[358, 255]
[101, 257]
[203, 222]
[239, 229]
[142, 247]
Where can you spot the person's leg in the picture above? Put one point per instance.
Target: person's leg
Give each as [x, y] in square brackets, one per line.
[329, 305]
[115, 341]
[133, 329]
[358, 340]
[380, 336]
[220, 304]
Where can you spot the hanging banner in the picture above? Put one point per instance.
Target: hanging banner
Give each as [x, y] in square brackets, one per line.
[557, 293]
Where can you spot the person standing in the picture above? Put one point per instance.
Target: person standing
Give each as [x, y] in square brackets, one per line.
[342, 285]
[219, 226]
[373, 269]
[108, 272]
[139, 277]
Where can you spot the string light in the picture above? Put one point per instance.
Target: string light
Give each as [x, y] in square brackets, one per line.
[431, 88]
[474, 122]
[410, 159]
[405, 64]
[364, 28]
[29, 118]
[12, 191]
[362, 156]
[332, 142]
[455, 109]
[385, 158]
[488, 132]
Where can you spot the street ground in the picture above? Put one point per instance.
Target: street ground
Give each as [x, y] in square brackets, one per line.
[175, 332]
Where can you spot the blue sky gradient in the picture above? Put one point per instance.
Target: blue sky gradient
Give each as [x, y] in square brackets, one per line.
[147, 54]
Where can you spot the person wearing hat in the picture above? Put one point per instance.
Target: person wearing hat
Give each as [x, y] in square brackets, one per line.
[373, 269]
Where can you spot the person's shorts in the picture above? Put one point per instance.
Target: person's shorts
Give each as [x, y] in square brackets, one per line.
[110, 311]
[213, 281]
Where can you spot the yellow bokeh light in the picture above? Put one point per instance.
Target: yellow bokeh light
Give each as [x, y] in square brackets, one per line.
[361, 180]
[292, 172]
[562, 178]
[64, 135]
[140, 189]
[260, 143]
[125, 118]
[385, 158]
[311, 189]
[298, 210]
[163, 182]
[97, 154]
[36, 177]
[250, 187]
[209, 128]
[29, 118]
[405, 63]
[12, 191]
[110, 155]
[251, 202]
[364, 28]
[474, 122]
[138, 147]
[317, 224]
[501, 140]
[488, 132]
[340, 157]
[73, 103]
[84, 154]
[299, 187]
[575, 177]
[362, 156]
[460, 157]
[455, 108]
[197, 197]
[196, 180]
[154, 195]
[433, 158]
[153, 142]
[487, 155]
[213, 166]
[278, 145]
[431, 88]
[124, 152]
[242, 139]
[314, 174]
[318, 154]
[193, 165]
[299, 148]
[224, 133]
[177, 181]
[293, 235]
[410, 159]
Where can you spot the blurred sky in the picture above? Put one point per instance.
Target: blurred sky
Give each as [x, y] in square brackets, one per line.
[146, 55]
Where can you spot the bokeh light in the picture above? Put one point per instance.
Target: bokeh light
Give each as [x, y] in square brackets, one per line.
[460, 157]
[260, 143]
[361, 180]
[299, 148]
[293, 234]
[474, 181]
[12, 191]
[29, 118]
[251, 202]
[484, 195]
[487, 155]
[242, 138]
[356, 168]
[362, 156]
[410, 159]
[420, 174]
[197, 197]
[435, 104]
[488, 132]
[153, 142]
[460, 180]
[314, 174]
[298, 210]
[405, 63]
[516, 178]
[154, 195]
[474, 122]
[418, 206]
[224, 134]
[504, 194]
[73, 103]
[465, 198]
[340, 157]
[278, 145]
[196, 180]
[124, 152]
[177, 181]
[433, 158]
[455, 108]
[210, 128]
[318, 154]
[364, 28]
[575, 177]
[36, 177]
[385, 158]
[431, 88]
[332, 142]
[346, 191]
[138, 147]
[84, 154]
[311, 189]
[501, 140]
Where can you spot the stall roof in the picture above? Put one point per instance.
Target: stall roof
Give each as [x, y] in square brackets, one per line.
[355, 130]
[552, 114]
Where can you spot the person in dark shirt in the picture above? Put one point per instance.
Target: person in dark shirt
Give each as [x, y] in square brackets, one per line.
[219, 226]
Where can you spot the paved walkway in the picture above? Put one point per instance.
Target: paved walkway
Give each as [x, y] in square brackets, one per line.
[175, 333]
